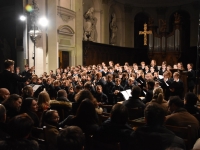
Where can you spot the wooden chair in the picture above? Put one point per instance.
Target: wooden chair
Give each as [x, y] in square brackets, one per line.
[102, 118]
[135, 113]
[182, 132]
[38, 134]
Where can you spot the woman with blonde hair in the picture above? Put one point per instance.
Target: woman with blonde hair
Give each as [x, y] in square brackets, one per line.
[43, 102]
[158, 98]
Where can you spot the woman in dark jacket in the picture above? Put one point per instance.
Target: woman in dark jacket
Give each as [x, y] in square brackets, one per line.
[30, 107]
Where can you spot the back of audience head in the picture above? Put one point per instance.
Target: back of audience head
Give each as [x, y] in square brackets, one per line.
[81, 95]
[158, 95]
[119, 114]
[154, 115]
[136, 91]
[4, 93]
[27, 91]
[20, 126]
[71, 138]
[2, 113]
[29, 104]
[88, 85]
[175, 103]
[87, 112]
[50, 117]
[61, 93]
[190, 99]
[14, 102]
[43, 100]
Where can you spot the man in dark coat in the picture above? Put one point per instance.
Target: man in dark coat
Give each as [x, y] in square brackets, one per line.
[154, 136]
[10, 80]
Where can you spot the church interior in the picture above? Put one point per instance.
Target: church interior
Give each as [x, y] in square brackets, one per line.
[87, 32]
[99, 74]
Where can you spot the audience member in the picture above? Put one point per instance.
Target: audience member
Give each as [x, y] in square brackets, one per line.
[3, 125]
[70, 138]
[19, 129]
[149, 93]
[154, 136]
[190, 102]
[86, 118]
[100, 96]
[134, 101]
[50, 119]
[158, 98]
[30, 107]
[116, 129]
[62, 96]
[12, 105]
[4, 94]
[43, 103]
[181, 117]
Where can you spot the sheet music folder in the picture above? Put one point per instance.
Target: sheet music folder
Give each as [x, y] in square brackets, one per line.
[35, 87]
[126, 94]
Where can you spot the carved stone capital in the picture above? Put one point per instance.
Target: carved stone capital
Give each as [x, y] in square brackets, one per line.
[66, 14]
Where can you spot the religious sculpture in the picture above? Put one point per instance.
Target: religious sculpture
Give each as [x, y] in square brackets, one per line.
[113, 29]
[145, 32]
[90, 32]
[163, 25]
[177, 18]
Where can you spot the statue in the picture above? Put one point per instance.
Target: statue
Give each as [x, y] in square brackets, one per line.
[163, 25]
[113, 29]
[177, 18]
[90, 32]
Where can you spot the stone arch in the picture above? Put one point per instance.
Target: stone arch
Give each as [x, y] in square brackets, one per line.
[65, 36]
[139, 20]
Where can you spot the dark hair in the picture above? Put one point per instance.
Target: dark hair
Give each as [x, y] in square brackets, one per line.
[86, 112]
[9, 101]
[20, 126]
[61, 93]
[119, 114]
[136, 91]
[154, 114]
[71, 138]
[26, 105]
[47, 117]
[176, 101]
[27, 91]
[8, 63]
[191, 99]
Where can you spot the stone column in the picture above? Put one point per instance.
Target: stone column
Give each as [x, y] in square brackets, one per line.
[52, 52]
[78, 53]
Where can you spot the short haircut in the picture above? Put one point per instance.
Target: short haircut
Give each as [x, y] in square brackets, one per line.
[119, 114]
[154, 114]
[176, 101]
[8, 63]
[2, 112]
[136, 91]
[70, 138]
[191, 99]
[61, 93]
[20, 126]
